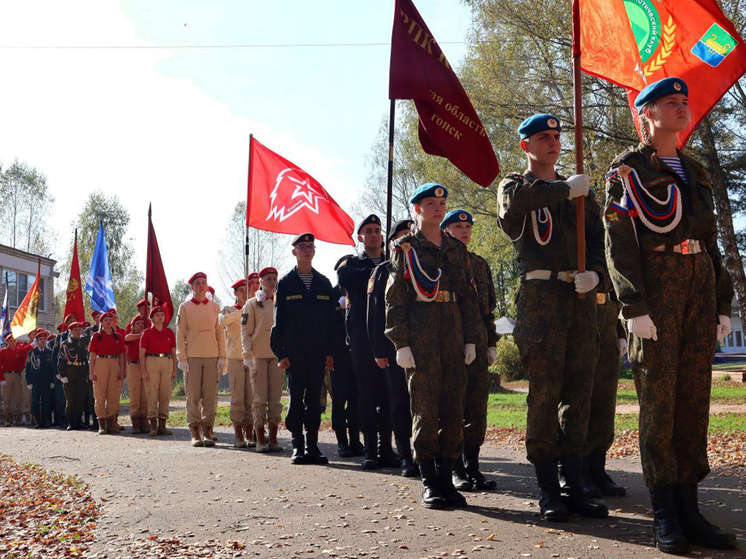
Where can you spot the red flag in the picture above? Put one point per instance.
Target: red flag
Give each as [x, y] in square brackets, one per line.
[449, 126]
[74, 303]
[636, 43]
[283, 198]
[155, 275]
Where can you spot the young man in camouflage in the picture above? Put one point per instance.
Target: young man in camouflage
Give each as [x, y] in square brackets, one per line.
[555, 329]
[466, 474]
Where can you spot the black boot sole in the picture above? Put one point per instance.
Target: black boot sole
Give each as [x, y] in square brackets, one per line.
[555, 517]
[678, 549]
[437, 506]
[369, 465]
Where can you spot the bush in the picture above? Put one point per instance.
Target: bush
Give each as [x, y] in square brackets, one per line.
[508, 364]
[179, 390]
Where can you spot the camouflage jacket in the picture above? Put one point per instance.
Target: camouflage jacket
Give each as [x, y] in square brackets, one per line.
[540, 220]
[457, 277]
[627, 236]
[486, 298]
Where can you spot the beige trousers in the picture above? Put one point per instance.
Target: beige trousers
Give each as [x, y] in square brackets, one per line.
[202, 390]
[25, 396]
[159, 370]
[138, 391]
[13, 393]
[266, 381]
[106, 388]
[241, 395]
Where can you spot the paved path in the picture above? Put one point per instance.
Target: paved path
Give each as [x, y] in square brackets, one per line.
[164, 487]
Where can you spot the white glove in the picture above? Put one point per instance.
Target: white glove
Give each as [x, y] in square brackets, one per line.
[491, 355]
[622, 344]
[30, 386]
[261, 295]
[221, 363]
[63, 380]
[643, 327]
[405, 358]
[470, 353]
[579, 186]
[51, 385]
[586, 281]
[3, 382]
[343, 302]
[58, 377]
[184, 366]
[723, 326]
[248, 363]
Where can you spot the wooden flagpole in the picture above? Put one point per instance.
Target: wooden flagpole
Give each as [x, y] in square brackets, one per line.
[390, 173]
[578, 108]
[248, 209]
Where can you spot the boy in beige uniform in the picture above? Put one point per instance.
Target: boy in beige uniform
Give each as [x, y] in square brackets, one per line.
[238, 374]
[200, 351]
[266, 376]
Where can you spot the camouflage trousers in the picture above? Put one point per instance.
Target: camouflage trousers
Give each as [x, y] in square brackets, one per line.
[673, 375]
[476, 397]
[605, 380]
[557, 337]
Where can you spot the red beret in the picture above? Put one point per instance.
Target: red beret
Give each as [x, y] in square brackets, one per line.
[69, 316]
[211, 289]
[136, 319]
[52, 337]
[8, 336]
[267, 270]
[60, 327]
[253, 275]
[76, 325]
[142, 302]
[86, 324]
[157, 309]
[108, 314]
[41, 333]
[196, 276]
[95, 313]
[239, 283]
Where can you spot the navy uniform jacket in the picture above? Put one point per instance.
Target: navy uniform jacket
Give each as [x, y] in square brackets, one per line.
[40, 369]
[376, 319]
[304, 318]
[339, 331]
[353, 275]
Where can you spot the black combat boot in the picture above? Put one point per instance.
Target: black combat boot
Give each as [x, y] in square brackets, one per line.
[431, 497]
[343, 446]
[313, 454]
[696, 528]
[572, 492]
[298, 456]
[355, 445]
[370, 459]
[587, 479]
[71, 423]
[406, 463]
[387, 458]
[471, 457]
[459, 478]
[552, 506]
[666, 527]
[601, 477]
[445, 483]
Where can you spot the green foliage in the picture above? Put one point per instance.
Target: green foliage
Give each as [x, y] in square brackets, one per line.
[178, 390]
[508, 363]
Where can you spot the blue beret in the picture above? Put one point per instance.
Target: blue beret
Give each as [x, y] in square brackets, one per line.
[372, 218]
[661, 88]
[428, 190]
[538, 123]
[456, 216]
[304, 238]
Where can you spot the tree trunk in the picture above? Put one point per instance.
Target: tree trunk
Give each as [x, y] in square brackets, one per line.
[724, 216]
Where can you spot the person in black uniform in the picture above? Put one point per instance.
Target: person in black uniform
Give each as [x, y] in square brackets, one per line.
[304, 316]
[373, 397]
[59, 403]
[344, 388]
[384, 353]
[40, 373]
[72, 365]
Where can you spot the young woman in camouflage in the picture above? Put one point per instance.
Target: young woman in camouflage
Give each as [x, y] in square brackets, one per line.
[664, 261]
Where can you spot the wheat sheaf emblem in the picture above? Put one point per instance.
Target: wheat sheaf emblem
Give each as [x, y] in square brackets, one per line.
[669, 42]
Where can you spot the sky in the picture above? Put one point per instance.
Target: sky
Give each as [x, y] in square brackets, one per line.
[170, 126]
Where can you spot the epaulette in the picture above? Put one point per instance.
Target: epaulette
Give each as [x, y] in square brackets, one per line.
[624, 156]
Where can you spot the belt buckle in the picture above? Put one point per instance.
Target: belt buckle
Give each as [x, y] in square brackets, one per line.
[685, 247]
[601, 298]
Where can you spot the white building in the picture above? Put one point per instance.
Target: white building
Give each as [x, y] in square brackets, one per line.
[734, 342]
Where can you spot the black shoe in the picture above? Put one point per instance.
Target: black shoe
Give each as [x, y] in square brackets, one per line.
[695, 526]
[477, 479]
[444, 467]
[586, 478]
[313, 454]
[431, 497]
[669, 538]
[387, 458]
[406, 463]
[572, 492]
[459, 478]
[299, 455]
[370, 457]
[343, 447]
[603, 481]
[552, 506]
[356, 446]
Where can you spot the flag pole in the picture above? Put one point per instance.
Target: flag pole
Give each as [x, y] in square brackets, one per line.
[248, 208]
[577, 85]
[390, 172]
[148, 263]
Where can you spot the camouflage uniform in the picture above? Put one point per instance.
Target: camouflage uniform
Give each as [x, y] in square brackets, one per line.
[683, 293]
[436, 333]
[555, 330]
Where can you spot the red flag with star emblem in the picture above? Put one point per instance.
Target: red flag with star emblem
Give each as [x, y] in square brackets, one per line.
[634, 43]
[283, 198]
[74, 295]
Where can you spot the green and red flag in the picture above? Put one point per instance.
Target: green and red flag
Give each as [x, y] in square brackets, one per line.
[25, 318]
[633, 43]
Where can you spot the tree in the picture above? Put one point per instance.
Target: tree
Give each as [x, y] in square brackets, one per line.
[265, 249]
[26, 201]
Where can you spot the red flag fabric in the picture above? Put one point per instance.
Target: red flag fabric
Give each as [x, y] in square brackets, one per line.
[449, 126]
[155, 275]
[283, 198]
[74, 303]
[25, 318]
[634, 43]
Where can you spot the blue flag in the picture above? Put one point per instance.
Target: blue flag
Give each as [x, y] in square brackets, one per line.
[98, 285]
[5, 313]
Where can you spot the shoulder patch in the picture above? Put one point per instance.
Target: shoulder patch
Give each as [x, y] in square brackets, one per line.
[293, 297]
[371, 284]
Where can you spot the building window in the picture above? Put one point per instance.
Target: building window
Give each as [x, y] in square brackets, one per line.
[18, 285]
[730, 339]
[739, 338]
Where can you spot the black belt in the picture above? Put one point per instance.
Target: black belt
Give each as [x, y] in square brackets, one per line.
[12, 372]
[108, 356]
[77, 363]
[134, 362]
[158, 355]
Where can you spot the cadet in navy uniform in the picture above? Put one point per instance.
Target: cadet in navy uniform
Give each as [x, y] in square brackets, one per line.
[385, 356]
[40, 373]
[304, 317]
[373, 397]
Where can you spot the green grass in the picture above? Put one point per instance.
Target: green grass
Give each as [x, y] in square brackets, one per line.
[729, 367]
